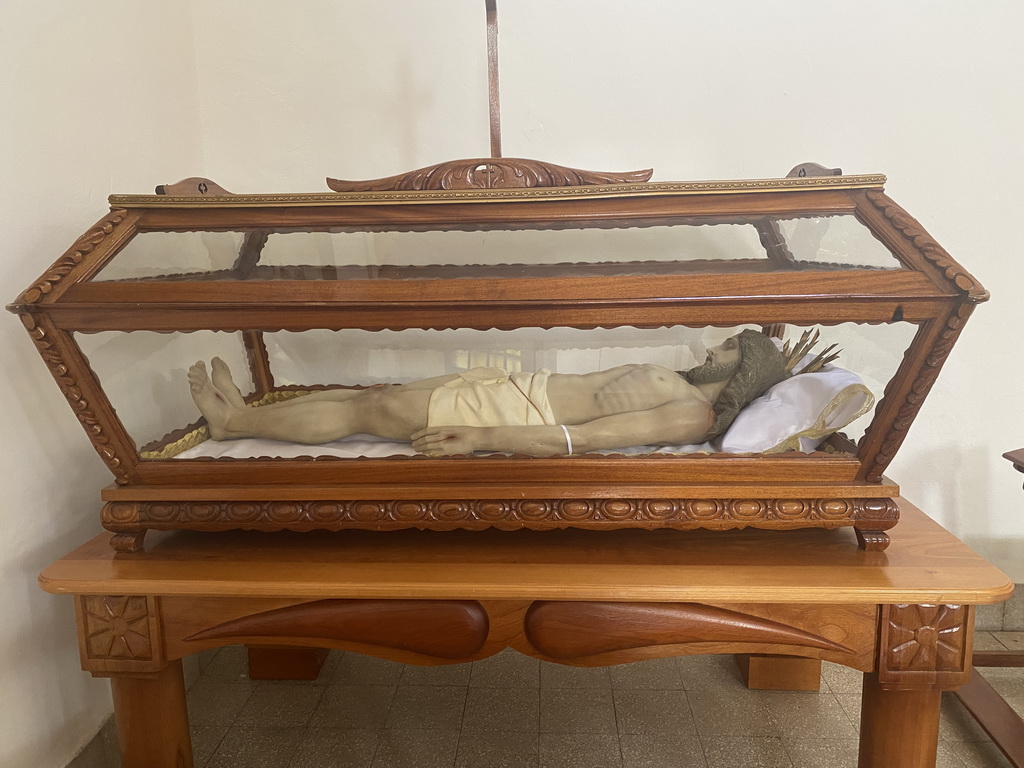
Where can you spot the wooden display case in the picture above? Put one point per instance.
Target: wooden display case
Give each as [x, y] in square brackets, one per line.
[488, 246]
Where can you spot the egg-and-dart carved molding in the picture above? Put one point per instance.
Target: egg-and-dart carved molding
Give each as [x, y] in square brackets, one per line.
[692, 513]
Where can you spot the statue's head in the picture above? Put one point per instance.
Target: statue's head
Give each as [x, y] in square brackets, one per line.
[758, 367]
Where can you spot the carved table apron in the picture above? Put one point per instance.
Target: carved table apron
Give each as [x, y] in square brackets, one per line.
[903, 617]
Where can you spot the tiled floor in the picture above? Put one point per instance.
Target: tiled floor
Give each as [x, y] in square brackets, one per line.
[511, 711]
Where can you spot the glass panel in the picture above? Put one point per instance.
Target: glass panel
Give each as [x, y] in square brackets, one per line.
[835, 241]
[173, 255]
[144, 375]
[583, 375]
[822, 243]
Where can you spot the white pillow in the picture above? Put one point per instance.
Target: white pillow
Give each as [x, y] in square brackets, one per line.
[798, 413]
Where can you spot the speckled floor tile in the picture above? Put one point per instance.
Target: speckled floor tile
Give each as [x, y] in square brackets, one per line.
[661, 750]
[427, 707]
[988, 617]
[563, 676]
[710, 673]
[577, 711]
[956, 724]
[508, 749]
[256, 748]
[447, 674]
[653, 712]
[731, 713]
[796, 714]
[335, 748]
[746, 751]
[280, 704]
[980, 754]
[357, 669]
[354, 706]
[1011, 641]
[652, 675]
[840, 679]
[229, 665]
[205, 742]
[579, 750]
[507, 669]
[822, 753]
[987, 641]
[502, 709]
[416, 749]
[211, 703]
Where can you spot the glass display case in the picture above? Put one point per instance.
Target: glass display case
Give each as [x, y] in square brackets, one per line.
[333, 325]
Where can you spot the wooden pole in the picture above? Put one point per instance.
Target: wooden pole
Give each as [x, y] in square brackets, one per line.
[492, 76]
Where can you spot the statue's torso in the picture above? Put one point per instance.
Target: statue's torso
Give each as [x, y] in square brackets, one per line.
[579, 398]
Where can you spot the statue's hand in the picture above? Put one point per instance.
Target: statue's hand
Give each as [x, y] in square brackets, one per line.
[446, 441]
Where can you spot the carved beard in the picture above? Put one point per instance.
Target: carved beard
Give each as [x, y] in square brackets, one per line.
[709, 372]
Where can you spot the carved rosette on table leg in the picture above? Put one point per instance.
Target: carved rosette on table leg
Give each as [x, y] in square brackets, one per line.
[119, 634]
[925, 646]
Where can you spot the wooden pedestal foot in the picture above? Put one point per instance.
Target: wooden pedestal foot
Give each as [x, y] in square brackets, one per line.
[872, 541]
[152, 719]
[763, 672]
[279, 662]
[898, 729]
[128, 542]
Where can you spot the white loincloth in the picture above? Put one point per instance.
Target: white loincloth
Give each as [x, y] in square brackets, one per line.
[489, 397]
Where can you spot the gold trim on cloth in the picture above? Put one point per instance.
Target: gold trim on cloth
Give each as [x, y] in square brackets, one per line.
[820, 429]
[202, 434]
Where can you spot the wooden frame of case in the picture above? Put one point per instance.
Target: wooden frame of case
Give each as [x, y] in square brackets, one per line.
[826, 489]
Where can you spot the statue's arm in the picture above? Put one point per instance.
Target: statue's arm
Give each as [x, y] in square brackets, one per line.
[671, 424]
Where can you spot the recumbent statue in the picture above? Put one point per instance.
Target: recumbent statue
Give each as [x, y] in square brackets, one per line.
[538, 414]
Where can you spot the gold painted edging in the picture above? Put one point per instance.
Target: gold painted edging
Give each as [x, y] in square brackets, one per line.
[491, 195]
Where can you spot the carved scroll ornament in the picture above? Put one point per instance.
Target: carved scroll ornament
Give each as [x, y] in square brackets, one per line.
[490, 173]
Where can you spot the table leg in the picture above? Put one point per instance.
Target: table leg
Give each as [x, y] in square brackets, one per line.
[152, 719]
[898, 729]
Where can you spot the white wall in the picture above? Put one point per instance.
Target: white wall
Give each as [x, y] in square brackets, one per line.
[114, 95]
[95, 98]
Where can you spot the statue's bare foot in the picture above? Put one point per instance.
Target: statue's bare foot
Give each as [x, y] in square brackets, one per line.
[220, 374]
[212, 403]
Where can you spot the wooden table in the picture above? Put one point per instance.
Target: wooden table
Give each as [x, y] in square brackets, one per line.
[904, 616]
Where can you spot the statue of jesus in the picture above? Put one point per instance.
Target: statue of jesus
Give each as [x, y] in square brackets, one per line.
[538, 414]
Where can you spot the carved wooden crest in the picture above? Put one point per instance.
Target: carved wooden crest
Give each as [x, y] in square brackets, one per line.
[490, 173]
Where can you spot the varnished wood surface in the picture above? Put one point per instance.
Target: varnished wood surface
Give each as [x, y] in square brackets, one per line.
[924, 564]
